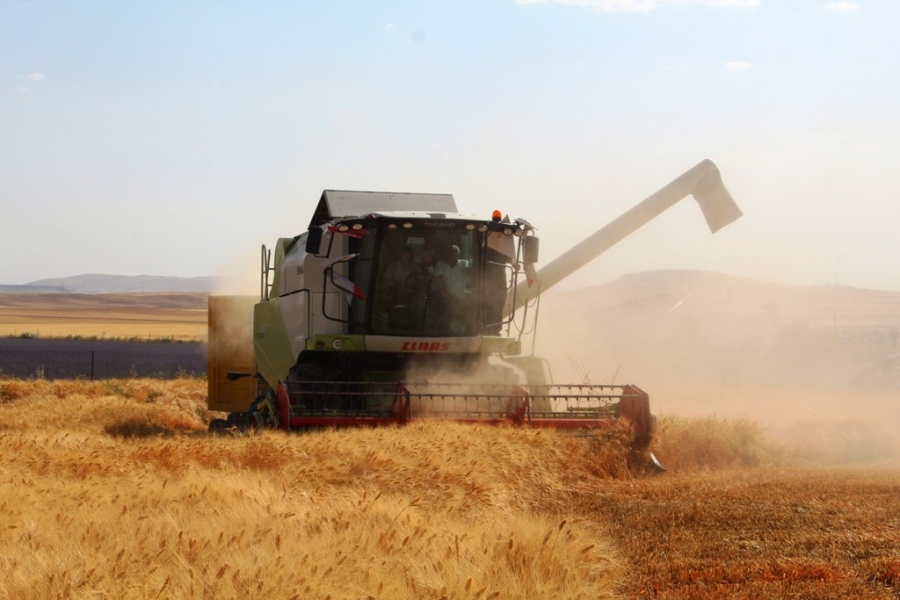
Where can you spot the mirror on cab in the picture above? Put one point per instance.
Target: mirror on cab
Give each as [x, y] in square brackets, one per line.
[313, 240]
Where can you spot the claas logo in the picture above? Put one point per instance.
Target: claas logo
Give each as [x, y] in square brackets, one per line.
[426, 346]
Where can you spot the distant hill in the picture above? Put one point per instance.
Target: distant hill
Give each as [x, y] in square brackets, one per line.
[111, 284]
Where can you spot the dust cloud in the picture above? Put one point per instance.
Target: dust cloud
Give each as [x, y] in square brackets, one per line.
[231, 333]
[241, 274]
[817, 367]
[230, 305]
[444, 388]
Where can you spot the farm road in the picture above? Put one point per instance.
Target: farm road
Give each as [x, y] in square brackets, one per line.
[69, 359]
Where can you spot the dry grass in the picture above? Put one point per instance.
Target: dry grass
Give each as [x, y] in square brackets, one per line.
[111, 489]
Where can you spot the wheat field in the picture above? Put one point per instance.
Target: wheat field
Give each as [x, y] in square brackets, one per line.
[113, 489]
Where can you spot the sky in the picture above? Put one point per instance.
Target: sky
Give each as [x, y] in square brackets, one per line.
[175, 138]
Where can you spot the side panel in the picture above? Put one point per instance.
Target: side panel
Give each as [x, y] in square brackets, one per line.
[301, 300]
[271, 341]
[230, 350]
[291, 268]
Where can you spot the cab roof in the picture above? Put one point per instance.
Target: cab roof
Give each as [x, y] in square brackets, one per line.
[338, 204]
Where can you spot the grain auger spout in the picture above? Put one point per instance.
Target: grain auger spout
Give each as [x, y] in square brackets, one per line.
[703, 182]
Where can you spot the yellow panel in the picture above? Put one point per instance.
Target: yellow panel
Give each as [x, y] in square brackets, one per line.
[231, 351]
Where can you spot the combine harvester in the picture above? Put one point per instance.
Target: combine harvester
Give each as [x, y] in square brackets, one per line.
[393, 307]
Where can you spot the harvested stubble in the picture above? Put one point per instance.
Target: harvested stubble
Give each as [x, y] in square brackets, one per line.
[786, 533]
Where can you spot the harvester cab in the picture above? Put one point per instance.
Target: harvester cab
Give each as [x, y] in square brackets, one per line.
[395, 306]
[366, 293]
